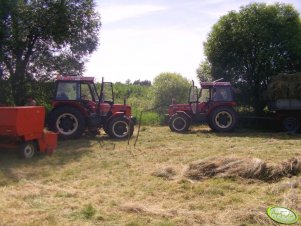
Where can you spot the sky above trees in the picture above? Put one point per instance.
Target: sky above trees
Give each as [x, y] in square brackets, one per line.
[139, 39]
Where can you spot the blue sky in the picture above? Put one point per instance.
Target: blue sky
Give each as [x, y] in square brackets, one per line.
[139, 39]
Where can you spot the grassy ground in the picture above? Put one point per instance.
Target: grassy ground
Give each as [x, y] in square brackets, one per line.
[98, 181]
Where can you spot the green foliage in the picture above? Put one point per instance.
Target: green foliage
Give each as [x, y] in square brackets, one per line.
[39, 90]
[142, 83]
[5, 94]
[168, 86]
[204, 72]
[140, 99]
[88, 211]
[42, 38]
[249, 47]
[148, 117]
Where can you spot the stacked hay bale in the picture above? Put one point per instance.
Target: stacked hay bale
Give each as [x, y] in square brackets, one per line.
[285, 86]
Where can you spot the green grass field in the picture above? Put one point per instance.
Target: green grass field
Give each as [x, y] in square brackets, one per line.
[99, 181]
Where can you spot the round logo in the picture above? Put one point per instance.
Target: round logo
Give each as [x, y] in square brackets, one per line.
[282, 215]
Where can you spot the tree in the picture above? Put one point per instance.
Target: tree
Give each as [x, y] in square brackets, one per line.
[40, 38]
[204, 72]
[251, 46]
[167, 86]
[142, 83]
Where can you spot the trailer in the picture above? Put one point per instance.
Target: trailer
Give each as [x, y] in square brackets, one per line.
[288, 111]
[23, 127]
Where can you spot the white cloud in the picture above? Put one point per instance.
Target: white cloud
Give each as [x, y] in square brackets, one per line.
[143, 54]
[120, 12]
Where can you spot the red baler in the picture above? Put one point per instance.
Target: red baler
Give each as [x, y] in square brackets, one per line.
[25, 126]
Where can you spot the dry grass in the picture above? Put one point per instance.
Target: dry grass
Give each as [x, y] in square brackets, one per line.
[105, 182]
[249, 168]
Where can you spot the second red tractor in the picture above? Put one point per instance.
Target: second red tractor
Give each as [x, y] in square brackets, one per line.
[213, 105]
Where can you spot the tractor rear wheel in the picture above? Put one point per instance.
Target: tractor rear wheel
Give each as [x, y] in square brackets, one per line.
[120, 128]
[68, 122]
[223, 119]
[179, 123]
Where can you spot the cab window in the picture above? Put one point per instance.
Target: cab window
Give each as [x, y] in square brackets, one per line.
[66, 91]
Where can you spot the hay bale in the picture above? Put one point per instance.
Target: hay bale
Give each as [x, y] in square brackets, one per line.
[285, 86]
[253, 168]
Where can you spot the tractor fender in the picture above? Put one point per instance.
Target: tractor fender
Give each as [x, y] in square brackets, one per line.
[71, 105]
[218, 106]
[50, 113]
[183, 113]
[116, 114]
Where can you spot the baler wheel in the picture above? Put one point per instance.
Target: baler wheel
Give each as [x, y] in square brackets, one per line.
[27, 150]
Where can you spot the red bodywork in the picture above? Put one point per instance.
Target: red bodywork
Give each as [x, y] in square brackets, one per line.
[92, 106]
[26, 124]
[104, 108]
[202, 108]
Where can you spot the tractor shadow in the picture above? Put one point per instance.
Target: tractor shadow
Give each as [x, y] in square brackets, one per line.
[13, 168]
[253, 128]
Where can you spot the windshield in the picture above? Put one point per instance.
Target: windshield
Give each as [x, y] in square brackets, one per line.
[107, 92]
[66, 91]
[88, 92]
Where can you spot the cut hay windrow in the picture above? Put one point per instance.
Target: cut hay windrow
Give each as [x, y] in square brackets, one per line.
[250, 168]
[285, 86]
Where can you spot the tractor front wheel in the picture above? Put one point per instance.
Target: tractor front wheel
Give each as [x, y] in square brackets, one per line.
[223, 119]
[68, 122]
[179, 123]
[120, 128]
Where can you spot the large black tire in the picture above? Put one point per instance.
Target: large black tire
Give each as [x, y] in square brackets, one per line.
[290, 124]
[27, 150]
[120, 128]
[223, 119]
[179, 123]
[68, 122]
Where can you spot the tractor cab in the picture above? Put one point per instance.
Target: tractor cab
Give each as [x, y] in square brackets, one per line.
[216, 91]
[211, 92]
[75, 88]
[76, 91]
[82, 92]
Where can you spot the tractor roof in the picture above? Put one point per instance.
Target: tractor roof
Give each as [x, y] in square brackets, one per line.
[214, 84]
[74, 78]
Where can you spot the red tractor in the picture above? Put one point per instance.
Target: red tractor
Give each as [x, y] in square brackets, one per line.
[213, 105]
[77, 107]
